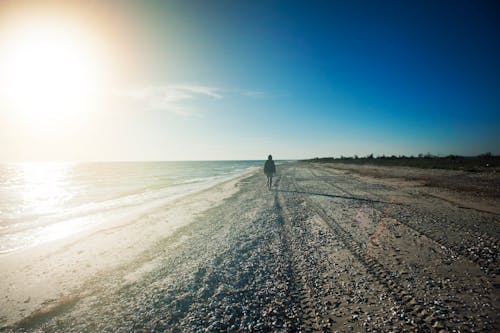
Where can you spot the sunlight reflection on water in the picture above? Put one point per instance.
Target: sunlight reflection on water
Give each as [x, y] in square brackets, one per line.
[36, 189]
[42, 201]
[45, 185]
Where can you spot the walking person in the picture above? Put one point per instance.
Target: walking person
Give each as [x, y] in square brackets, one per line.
[269, 170]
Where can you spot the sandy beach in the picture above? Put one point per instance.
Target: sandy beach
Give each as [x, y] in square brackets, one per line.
[329, 248]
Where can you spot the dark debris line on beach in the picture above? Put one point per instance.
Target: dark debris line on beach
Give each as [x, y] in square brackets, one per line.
[286, 261]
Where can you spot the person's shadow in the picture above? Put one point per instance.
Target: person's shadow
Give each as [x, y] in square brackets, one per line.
[339, 196]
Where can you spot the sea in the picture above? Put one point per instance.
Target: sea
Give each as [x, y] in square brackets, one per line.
[43, 202]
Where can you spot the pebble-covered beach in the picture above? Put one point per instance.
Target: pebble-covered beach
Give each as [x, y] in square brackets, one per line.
[324, 251]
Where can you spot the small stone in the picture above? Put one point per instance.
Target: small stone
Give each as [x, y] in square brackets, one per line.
[438, 325]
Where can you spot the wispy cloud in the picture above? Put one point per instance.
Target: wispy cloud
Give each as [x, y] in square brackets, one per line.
[209, 91]
[254, 93]
[176, 98]
[172, 98]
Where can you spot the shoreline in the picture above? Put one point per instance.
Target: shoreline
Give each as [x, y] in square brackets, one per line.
[48, 232]
[323, 250]
[39, 276]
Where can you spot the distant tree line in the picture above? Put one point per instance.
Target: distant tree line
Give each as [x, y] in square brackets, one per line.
[429, 161]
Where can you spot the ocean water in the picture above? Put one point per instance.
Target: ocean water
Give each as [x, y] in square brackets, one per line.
[43, 202]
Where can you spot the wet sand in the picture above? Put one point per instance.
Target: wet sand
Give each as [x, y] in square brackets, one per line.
[327, 249]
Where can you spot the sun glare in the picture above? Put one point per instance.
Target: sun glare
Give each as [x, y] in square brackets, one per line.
[50, 67]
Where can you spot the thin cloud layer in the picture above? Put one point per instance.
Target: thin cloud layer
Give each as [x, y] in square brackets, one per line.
[176, 98]
[172, 98]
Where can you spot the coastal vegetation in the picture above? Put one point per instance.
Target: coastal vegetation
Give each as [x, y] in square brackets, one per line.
[480, 162]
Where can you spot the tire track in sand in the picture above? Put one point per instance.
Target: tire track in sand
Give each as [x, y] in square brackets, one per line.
[412, 311]
[479, 255]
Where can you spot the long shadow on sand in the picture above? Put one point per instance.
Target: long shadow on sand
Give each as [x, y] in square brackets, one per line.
[337, 196]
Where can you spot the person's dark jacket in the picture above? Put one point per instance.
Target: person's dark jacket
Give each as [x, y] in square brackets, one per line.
[269, 167]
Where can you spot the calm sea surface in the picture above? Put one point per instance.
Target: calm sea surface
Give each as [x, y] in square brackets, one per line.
[41, 202]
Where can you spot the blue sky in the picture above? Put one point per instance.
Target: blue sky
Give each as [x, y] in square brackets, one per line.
[242, 79]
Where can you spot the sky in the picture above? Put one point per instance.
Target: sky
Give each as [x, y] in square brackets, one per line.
[237, 80]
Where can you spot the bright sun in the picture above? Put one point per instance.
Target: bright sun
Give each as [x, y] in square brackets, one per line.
[49, 68]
